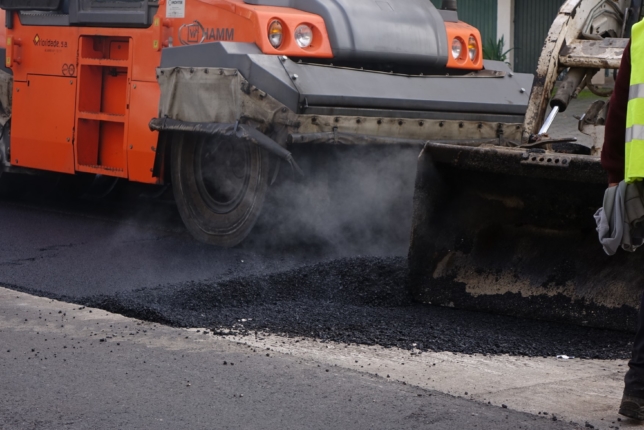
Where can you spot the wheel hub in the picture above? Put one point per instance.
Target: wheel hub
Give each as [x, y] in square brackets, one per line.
[222, 173]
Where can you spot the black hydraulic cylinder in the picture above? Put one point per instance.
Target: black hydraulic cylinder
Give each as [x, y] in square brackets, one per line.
[567, 88]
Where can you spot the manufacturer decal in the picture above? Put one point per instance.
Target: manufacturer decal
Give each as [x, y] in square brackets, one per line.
[175, 9]
[69, 69]
[195, 33]
[50, 45]
[213, 34]
[190, 34]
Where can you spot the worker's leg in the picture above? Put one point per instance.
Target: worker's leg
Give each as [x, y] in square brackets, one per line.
[633, 401]
[634, 380]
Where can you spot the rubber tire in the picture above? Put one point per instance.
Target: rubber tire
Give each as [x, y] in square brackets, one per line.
[207, 226]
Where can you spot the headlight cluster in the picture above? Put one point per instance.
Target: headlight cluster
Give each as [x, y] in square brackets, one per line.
[303, 34]
[458, 51]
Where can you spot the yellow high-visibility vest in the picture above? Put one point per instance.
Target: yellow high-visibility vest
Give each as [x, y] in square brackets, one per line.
[634, 157]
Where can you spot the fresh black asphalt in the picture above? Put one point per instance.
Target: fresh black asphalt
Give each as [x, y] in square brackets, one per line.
[133, 256]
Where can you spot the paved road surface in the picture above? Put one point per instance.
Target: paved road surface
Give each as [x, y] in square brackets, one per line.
[64, 366]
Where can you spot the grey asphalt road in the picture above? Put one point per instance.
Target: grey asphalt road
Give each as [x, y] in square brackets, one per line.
[79, 250]
[71, 367]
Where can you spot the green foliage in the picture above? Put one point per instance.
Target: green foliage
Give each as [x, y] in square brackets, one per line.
[495, 50]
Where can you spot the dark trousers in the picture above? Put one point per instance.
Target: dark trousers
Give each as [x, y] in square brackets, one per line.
[634, 380]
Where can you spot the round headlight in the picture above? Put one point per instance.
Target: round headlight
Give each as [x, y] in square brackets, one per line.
[457, 48]
[275, 34]
[473, 48]
[303, 36]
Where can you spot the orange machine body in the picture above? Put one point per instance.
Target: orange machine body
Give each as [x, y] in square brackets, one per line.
[83, 96]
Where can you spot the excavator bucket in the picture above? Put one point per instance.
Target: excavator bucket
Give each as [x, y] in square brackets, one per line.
[521, 243]
[507, 226]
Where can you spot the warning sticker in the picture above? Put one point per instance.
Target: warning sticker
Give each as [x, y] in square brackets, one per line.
[176, 9]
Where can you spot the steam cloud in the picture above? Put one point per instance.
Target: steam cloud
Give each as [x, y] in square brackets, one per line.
[353, 201]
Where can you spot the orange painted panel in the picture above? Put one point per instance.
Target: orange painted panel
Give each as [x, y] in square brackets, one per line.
[3, 28]
[120, 49]
[87, 142]
[144, 101]
[44, 50]
[103, 78]
[114, 94]
[110, 145]
[89, 88]
[92, 47]
[43, 123]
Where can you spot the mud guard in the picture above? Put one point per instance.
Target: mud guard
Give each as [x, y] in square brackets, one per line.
[240, 132]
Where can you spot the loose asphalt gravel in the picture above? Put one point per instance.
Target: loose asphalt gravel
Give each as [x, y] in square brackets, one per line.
[354, 300]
